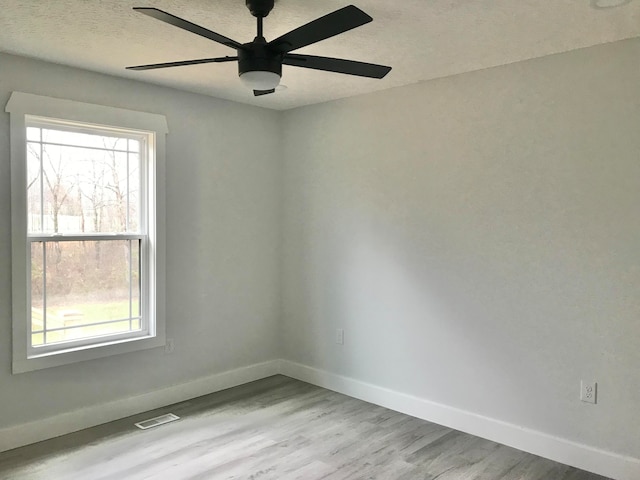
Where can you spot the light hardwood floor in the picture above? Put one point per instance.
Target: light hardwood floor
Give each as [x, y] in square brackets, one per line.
[277, 428]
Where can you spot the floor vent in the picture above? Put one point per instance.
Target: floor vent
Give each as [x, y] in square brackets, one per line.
[157, 421]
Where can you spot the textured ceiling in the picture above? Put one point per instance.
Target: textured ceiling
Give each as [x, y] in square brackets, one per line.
[420, 39]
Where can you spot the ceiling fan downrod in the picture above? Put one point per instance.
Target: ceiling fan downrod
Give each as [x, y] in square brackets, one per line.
[260, 9]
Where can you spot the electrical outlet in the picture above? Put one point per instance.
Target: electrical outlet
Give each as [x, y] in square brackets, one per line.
[340, 336]
[169, 346]
[589, 392]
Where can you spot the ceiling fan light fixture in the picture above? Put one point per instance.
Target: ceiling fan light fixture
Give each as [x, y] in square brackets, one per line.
[260, 80]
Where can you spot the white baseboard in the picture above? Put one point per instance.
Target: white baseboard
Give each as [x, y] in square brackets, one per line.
[588, 458]
[548, 446]
[36, 431]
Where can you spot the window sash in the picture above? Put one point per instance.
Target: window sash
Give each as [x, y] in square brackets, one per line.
[146, 323]
[145, 152]
[146, 320]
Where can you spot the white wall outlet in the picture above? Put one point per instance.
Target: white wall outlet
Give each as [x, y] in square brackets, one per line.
[589, 392]
[340, 336]
[169, 346]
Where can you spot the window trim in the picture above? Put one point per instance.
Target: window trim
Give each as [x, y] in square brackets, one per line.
[22, 105]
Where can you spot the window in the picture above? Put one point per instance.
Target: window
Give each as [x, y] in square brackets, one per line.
[86, 231]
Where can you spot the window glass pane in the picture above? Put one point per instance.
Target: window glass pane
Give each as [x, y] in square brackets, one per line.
[37, 339]
[100, 330]
[64, 137]
[134, 192]
[36, 288]
[59, 169]
[115, 187]
[87, 284]
[34, 198]
[135, 278]
[33, 133]
[134, 145]
[88, 190]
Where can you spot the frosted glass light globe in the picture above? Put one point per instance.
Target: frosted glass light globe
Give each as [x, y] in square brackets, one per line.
[260, 80]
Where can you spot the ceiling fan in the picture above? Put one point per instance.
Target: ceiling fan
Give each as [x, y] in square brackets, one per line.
[260, 62]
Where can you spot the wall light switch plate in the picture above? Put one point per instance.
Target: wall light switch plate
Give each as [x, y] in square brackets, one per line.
[340, 336]
[589, 392]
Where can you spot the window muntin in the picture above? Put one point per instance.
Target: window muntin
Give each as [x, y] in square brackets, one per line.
[87, 224]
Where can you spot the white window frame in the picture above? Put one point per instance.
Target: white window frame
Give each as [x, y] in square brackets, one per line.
[23, 107]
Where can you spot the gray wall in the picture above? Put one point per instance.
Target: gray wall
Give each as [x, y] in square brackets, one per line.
[223, 237]
[475, 236]
[478, 239]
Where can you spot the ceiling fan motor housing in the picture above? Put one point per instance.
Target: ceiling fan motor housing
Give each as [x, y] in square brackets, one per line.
[257, 57]
[260, 8]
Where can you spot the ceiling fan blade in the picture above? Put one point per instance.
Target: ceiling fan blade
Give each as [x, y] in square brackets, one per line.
[154, 66]
[188, 26]
[332, 24]
[258, 93]
[338, 65]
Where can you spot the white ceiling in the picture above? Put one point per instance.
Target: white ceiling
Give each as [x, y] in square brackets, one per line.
[420, 39]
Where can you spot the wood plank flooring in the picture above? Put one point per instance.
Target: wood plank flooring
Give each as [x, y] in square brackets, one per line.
[277, 429]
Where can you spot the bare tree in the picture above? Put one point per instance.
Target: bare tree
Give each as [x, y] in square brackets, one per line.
[53, 172]
[54, 176]
[116, 186]
[34, 175]
[119, 191]
[92, 189]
